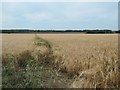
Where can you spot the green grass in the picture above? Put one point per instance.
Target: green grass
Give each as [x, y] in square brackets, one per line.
[42, 42]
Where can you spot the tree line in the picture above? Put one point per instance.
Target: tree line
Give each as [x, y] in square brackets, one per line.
[59, 31]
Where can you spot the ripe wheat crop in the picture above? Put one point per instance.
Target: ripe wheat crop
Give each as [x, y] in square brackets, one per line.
[70, 60]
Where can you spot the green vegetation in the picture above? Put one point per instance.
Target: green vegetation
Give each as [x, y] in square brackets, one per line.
[31, 69]
[42, 42]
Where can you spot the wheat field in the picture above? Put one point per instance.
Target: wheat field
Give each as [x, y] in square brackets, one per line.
[88, 60]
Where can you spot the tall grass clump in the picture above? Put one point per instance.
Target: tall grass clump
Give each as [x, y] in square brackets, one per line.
[42, 42]
[30, 68]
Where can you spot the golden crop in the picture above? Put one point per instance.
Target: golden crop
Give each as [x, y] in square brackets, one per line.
[89, 60]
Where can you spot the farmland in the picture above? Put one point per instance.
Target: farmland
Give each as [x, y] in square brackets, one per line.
[80, 60]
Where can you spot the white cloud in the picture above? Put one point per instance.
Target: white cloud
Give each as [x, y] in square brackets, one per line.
[8, 19]
[85, 13]
[14, 6]
[78, 13]
[37, 17]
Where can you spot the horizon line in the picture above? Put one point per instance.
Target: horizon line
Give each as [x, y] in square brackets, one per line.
[54, 29]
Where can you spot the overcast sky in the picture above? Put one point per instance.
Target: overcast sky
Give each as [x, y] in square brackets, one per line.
[60, 15]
